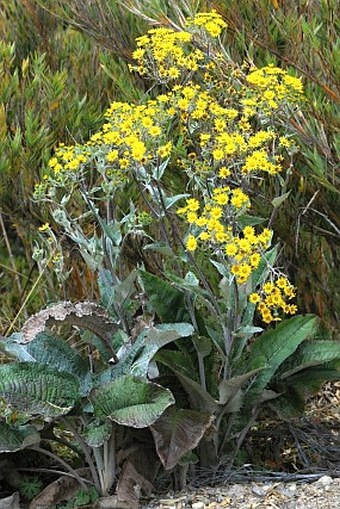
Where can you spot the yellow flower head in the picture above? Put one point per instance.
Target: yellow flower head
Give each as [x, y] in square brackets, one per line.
[44, 227]
[191, 243]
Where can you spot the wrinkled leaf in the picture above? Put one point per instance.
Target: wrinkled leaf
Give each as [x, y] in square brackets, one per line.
[85, 315]
[97, 432]
[177, 432]
[131, 401]
[167, 301]
[155, 339]
[311, 353]
[13, 438]
[36, 389]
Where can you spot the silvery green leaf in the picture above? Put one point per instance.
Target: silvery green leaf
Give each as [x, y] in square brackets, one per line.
[171, 200]
[222, 269]
[158, 172]
[247, 220]
[159, 247]
[60, 217]
[191, 279]
[248, 330]
[13, 438]
[276, 202]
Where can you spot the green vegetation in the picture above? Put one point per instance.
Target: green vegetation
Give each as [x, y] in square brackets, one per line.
[181, 183]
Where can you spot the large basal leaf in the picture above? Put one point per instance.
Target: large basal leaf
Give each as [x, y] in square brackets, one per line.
[52, 351]
[178, 360]
[49, 349]
[167, 301]
[36, 389]
[310, 380]
[97, 432]
[177, 432]
[86, 315]
[275, 346]
[155, 339]
[131, 401]
[311, 353]
[14, 438]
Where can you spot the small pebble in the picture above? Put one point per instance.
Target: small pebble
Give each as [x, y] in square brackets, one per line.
[198, 505]
[325, 480]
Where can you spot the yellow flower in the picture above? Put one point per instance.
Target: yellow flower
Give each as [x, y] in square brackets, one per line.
[201, 221]
[224, 172]
[254, 260]
[239, 198]
[123, 163]
[44, 227]
[254, 298]
[282, 282]
[173, 72]
[218, 154]
[138, 54]
[193, 204]
[221, 199]
[191, 243]
[165, 150]
[138, 150]
[154, 130]
[112, 156]
[216, 212]
[204, 236]
[191, 217]
[268, 287]
[231, 249]
[52, 162]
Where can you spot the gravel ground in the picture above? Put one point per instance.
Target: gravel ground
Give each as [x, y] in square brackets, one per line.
[321, 494]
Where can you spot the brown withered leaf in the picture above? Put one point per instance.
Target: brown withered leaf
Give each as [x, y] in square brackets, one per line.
[131, 485]
[86, 315]
[62, 489]
[177, 432]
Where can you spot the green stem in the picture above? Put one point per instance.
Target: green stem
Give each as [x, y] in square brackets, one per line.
[110, 460]
[200, 357]
[100, 468]
[84, 447]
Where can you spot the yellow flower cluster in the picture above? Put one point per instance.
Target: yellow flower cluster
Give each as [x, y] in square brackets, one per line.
[272, 300]
[167, 55]
[133, 136]
[242, 250]
[220, 128]
[270, 86]
[211, 21]
[219, 134]
[164, 54]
